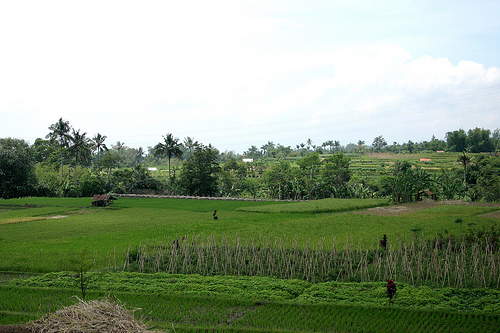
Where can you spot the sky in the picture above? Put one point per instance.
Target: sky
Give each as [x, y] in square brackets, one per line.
[239, 73]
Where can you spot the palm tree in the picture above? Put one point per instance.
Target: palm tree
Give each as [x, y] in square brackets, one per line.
[139, 154]
[190, 144]
[464, 160]
[119, 146]
[337, 145]
[309, 143]
[361, 145]
[329, 144]
[60, 134]
[170, 147]
[80, 148]
[264, 149]
[98, 143]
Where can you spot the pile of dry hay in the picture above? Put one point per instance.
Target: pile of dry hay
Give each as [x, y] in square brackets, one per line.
[93, 316]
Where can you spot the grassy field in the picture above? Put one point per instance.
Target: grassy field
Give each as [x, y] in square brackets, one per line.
[372, 166]
[44, 235]
[244, 304]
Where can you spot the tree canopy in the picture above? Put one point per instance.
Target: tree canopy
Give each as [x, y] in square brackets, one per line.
[17, 175]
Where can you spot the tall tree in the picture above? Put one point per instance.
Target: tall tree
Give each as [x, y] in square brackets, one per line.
[108, 161]
[279, 180]
[361, 145]
[59, 132]
[253, 151]
[309, 143]
[336, 143]
[479, 140]
[379, 143]
[80, 148]
[495, 137]
[139, 154]
[17, 168]
[190, 144]
[465, 161]
[330, 144]
[170, 147]
[199, 172]
[456, 140]
[310, 166]
[98, 143]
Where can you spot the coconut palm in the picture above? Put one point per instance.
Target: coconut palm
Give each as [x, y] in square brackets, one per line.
[336, 143]
[80, 148]
[170, 147]
[59, 132]
[98, 143]
[190, 144]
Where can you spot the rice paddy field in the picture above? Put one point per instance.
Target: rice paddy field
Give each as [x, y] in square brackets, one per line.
[260, 267]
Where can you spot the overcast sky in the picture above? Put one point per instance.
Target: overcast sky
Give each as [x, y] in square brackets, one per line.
[241, 73]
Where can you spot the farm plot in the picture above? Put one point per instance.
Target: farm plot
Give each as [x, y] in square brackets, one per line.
[103, 234]
[146, 234]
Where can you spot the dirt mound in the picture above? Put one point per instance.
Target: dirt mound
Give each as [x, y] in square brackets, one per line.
[93, 316]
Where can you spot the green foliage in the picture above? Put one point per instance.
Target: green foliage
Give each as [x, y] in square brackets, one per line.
[413, 310]
[283, 182]
[319, 206]
[476, 140]
[170, 147]
[265, 289]
[17, 173]
[135, 180]
[406, 182]
[479, 140]
[336, 174]
[379, 143]
[199, 172]
[456, 140]
[91, 184]
[488, 180]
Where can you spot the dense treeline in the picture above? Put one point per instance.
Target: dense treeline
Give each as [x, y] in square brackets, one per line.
[69, 163]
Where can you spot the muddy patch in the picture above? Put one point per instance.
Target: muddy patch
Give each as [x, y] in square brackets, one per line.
[411, 207]
[495, 214]
[395, 210]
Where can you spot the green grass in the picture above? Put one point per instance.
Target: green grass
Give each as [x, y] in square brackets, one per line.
[31, 241]
[318, 206]
[227, 304]
[267, 289]
[45, 245]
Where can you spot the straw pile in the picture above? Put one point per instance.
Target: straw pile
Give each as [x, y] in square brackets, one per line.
[93, 316]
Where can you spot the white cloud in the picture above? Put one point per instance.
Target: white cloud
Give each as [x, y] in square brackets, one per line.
[226, 69]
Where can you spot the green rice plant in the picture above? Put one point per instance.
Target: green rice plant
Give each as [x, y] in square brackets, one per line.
[41, 244]
[319, 206]
[350, 307]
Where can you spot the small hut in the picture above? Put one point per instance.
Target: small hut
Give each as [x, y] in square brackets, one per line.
[427, 194]
[102, 200]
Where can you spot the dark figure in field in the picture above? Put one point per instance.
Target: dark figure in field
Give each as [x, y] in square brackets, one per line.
[383, 242]
[215, 214]
[391, 289]
[175, 243]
